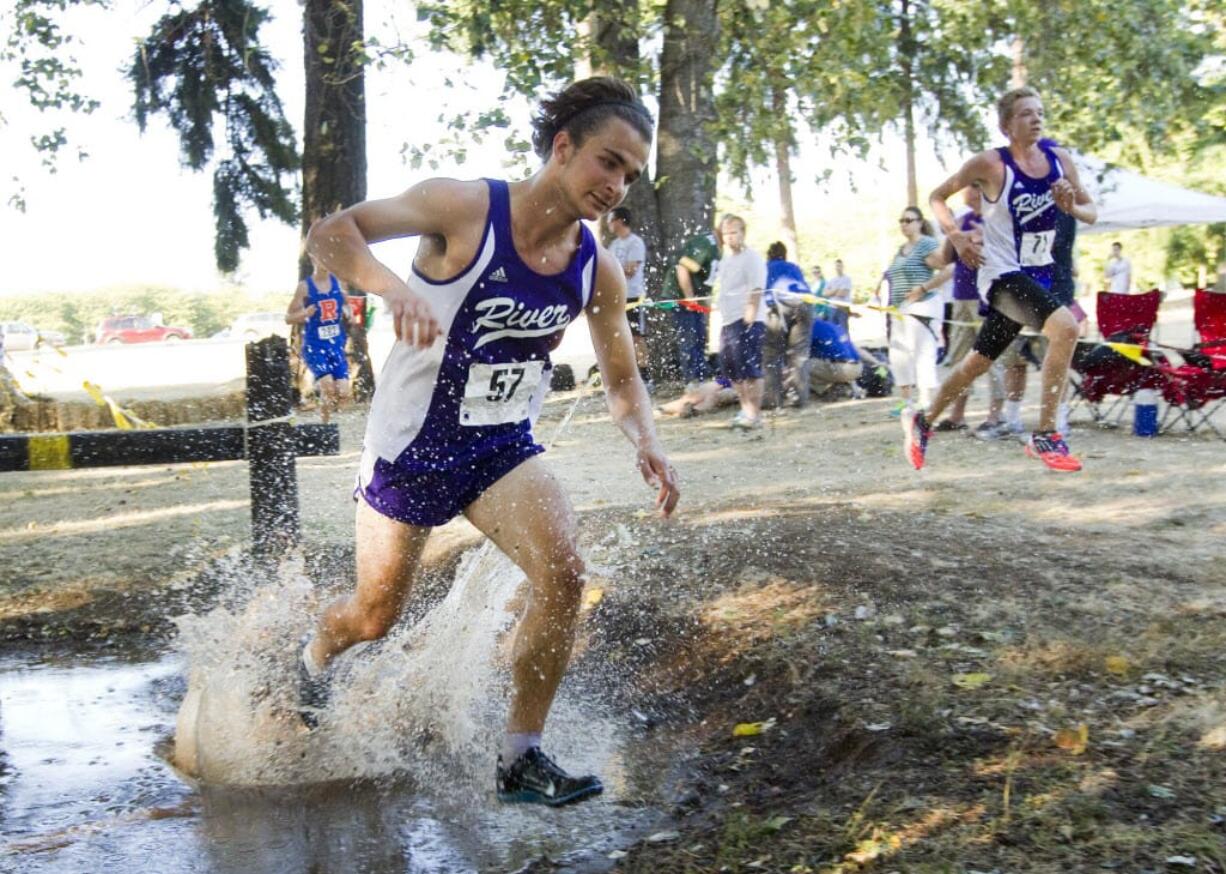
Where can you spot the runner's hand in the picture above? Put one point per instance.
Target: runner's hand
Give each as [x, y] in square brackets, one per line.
[1065, 195]
[659, 474]
[412, 317]
[969, 248]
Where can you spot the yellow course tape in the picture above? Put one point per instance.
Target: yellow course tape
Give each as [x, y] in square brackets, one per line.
[49, 452]
[124, 420]
[1132, 351]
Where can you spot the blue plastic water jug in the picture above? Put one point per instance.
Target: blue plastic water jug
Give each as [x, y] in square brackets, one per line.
[1145, 413]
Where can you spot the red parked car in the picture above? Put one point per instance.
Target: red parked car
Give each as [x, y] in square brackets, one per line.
[138, 329]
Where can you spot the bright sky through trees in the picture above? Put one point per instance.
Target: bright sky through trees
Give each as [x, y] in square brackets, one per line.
[129, 215]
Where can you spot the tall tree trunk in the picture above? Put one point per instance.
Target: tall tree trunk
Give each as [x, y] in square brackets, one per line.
[906, 55]
[783, 170]
[909, 137]
[615, 52]
[334, 134]
[1018, 77]
[613, 29]
[686, 158]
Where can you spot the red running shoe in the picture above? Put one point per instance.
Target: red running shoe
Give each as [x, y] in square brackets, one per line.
[916, 431]
[1051, 449]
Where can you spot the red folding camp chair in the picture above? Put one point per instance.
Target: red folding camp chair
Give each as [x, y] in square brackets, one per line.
[1196, 390]
[1100, 371]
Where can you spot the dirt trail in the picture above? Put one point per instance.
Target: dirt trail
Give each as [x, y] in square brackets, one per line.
[924, 648]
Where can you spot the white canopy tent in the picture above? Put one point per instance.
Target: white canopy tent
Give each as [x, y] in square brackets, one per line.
[1129, 200]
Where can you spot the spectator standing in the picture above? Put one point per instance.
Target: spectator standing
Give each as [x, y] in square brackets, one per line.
[631, 253]
[789, 323]
[693, 276]
[838, 288]
[743, 314]
[913, 336]
[1118, 271]
[965, 321]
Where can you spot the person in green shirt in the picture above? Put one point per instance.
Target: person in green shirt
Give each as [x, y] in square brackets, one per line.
[693, 276]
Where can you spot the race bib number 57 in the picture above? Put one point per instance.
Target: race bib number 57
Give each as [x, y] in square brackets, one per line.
[499, 393]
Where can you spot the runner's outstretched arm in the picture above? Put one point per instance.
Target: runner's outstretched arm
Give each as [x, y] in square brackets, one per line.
[627, 398]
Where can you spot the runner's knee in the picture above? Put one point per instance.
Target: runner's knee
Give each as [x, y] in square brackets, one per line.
[1061, 327]
[561, 576]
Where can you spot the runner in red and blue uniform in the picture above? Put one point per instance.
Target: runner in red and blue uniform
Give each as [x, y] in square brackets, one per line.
[323, 314]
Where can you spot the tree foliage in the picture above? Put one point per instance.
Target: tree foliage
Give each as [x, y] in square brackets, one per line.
[47, 73]
[1129, 72]
[205, 66]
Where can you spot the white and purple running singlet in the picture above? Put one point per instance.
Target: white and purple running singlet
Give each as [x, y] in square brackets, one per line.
[1019, 227]
[448, 422]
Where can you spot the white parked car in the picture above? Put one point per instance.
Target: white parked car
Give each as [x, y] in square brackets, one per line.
[19, 336]
[253, 326]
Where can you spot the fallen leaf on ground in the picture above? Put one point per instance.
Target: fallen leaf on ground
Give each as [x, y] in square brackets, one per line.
[1116, 664]
[777, 822]
[592, 597]
[749, 729]
[1073, 740]
[971, 681]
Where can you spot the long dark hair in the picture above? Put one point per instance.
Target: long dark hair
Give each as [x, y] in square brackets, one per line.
[582, 107]
[925, 225]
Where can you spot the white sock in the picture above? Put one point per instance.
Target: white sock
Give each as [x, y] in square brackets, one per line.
[313, 668]
[1062, 418]
[515, 745]
[1013, 412]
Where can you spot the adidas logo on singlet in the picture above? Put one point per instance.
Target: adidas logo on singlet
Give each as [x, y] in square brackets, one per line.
[499, 275]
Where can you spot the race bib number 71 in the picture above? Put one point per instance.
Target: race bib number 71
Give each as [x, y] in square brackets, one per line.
[1036, 248]
[499, 393]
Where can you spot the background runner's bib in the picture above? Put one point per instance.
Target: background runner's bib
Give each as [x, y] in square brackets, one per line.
[1035, 248]
[1019, 227]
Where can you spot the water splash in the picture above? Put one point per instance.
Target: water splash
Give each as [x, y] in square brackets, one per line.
[427, 698]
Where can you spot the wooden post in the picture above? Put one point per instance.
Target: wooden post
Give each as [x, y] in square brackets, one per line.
[271, 446]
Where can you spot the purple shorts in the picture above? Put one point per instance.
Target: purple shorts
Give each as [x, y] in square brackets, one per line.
[431, 498]
[740, 350]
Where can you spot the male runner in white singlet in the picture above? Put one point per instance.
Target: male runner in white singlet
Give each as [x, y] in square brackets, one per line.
[1022, 185]
[501, 270]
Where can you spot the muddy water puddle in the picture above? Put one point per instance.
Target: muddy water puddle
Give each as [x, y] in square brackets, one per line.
[85, 787]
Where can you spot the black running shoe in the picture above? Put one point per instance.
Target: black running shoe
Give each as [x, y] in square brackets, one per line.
[313, 692]
[534, 778]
